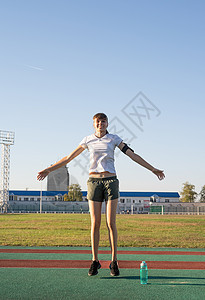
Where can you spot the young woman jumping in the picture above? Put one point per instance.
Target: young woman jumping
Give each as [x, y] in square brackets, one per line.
[102, 184]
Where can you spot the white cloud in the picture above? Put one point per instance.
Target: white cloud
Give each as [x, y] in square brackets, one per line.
[34, 68]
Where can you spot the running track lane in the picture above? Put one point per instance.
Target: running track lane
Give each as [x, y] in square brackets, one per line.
[77, 251]
[123, 264]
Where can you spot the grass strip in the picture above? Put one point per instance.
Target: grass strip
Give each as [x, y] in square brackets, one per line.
[74, 230]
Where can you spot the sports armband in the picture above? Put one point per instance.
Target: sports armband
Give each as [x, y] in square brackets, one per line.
[125, 148]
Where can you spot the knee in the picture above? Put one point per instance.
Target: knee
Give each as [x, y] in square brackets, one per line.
[111, 225]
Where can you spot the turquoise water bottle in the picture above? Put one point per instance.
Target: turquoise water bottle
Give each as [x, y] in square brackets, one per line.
[143, 273]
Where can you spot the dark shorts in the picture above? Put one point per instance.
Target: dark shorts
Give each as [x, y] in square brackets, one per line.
[100, 189]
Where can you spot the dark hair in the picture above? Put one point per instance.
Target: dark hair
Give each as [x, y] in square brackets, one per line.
[100, 116]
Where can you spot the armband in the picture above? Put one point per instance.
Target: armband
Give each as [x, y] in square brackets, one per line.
[125, 148]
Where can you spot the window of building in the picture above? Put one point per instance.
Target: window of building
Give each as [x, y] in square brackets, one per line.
[166, 200]
[122, 200]
[25, 198]
[133, 201]
[32, 199]
[128, 200]
[12, 197]
[58, 197]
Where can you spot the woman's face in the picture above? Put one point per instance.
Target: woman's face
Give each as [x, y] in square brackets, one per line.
[100, 124]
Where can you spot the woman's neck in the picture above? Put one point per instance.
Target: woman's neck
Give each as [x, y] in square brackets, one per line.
[100, 134]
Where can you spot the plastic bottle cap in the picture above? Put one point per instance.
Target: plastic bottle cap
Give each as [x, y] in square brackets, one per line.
[143, 264]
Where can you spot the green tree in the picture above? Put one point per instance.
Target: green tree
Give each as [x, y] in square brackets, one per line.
[74, 193]
[202, 194]
[188, 193]
[65, 197]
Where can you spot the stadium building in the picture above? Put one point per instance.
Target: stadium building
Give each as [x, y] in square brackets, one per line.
[21, 201]
[53, 201]
[58, 180]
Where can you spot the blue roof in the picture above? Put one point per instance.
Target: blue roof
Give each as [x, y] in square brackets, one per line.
[122, 194]
[150, 194]
[36, 193]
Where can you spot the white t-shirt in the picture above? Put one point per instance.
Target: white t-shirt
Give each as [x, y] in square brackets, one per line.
[101, 151]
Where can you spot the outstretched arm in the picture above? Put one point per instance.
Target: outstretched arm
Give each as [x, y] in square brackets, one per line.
[42, 174]
[138, 159]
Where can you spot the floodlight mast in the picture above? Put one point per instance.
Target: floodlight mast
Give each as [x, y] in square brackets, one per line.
[6, 139]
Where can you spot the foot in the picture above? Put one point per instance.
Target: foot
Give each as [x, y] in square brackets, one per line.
[94, 268]
[114, 271]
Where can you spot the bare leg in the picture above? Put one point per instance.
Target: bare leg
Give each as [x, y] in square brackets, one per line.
[111, 208]
[95, 214]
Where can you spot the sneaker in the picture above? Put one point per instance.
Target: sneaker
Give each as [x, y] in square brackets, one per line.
[114, 271]
[94, 268]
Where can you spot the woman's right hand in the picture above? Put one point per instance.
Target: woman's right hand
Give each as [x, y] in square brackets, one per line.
[159, 173]
[42, 174]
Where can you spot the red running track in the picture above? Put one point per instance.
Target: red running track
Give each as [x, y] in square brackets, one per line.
[33, 263]
[61, 251]
[123, 264]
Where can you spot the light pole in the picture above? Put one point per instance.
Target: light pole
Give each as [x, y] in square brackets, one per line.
[41, 199]
[6, 139]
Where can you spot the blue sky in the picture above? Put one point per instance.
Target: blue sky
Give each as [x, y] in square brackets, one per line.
[64, 61]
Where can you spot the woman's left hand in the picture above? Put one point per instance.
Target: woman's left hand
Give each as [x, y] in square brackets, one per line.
[159, 173]
[42, 174]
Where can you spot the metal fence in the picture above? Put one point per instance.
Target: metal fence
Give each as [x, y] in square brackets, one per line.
[47, 207]
[82, 207]
[179, 209]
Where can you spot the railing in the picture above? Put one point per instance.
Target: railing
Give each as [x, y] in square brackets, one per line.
[178, 213]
